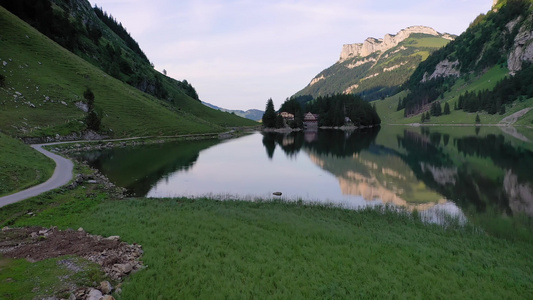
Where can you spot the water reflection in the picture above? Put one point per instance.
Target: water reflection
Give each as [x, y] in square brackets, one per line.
[139, 168]
[364, 169]
[483, 174]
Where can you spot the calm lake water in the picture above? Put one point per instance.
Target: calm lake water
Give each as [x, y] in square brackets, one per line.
[471, 173]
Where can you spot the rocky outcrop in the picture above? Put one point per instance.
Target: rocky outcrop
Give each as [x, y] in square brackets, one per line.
[522, 50]
[317, 79]
[444, 69]
[85, 135]
[373, 45]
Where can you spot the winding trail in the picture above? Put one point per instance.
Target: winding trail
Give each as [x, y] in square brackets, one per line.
[62, 175]
[64, 167]
[511, 119]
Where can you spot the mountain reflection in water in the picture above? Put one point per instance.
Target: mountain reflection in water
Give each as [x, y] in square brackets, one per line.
[479, 173]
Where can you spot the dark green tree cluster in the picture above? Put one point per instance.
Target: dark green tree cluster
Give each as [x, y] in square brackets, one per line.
[188, 89]
[425, 117]
[39, 14]
[117, 28]
[436, 109]
[519, 86]
[294, 107]
[93, 119]
[423, 94]
[334, 109]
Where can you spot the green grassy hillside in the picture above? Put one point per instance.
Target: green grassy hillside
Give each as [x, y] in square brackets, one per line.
[43, 81]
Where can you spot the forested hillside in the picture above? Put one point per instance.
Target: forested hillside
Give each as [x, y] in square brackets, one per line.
[498, 40]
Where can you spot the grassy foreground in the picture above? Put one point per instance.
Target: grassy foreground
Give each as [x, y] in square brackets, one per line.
[206, 249]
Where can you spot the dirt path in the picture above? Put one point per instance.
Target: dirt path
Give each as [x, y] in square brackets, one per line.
[511, 119]
[62, 175]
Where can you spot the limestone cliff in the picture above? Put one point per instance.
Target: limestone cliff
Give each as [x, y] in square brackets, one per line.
[522, 50]
[372, 45]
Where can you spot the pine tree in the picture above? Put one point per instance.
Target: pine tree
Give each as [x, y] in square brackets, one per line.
[502, 110]
[269, 117]
[93, 119]
[446, 109]
[478, 120]
[280, 123]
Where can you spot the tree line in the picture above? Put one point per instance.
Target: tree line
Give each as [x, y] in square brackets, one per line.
[507, 90]
[332, 110]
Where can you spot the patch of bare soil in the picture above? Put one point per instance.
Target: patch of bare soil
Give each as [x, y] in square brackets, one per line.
[117, 259]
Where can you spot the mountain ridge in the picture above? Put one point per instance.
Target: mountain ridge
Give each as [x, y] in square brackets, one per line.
[376, 68]
[372, 45]
[251, 114]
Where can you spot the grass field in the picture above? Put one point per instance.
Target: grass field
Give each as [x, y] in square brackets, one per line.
[206, 249]
[21, 166]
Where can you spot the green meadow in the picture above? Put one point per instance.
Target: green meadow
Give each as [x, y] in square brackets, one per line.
[208, 249]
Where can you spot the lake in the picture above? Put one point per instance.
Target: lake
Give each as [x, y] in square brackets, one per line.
[481, 173]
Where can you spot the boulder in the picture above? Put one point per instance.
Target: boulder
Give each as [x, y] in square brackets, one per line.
[106, 287]
[94, 294]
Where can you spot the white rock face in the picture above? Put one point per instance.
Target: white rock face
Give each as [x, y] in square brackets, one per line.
[372, 45]
[444, 69]
[316, 79]
[522, 49]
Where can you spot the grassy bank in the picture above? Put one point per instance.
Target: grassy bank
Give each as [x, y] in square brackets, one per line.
[211, 249]
[21, 166]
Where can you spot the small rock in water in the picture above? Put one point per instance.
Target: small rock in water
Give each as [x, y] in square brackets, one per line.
[276, 193]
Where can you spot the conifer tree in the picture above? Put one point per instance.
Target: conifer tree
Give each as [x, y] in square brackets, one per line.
[93, 119]
[269, 117]
[446, 109]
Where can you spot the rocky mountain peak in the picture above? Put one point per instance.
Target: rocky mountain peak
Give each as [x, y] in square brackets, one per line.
[372, 45]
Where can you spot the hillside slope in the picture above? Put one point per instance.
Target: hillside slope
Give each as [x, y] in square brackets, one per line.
[486, 70]
[42, 82]
[377, 67]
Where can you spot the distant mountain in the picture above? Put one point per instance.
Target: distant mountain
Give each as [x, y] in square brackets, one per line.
[377, 67]
[251, 114]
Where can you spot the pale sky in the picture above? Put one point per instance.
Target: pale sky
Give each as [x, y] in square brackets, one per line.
[239, 53]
